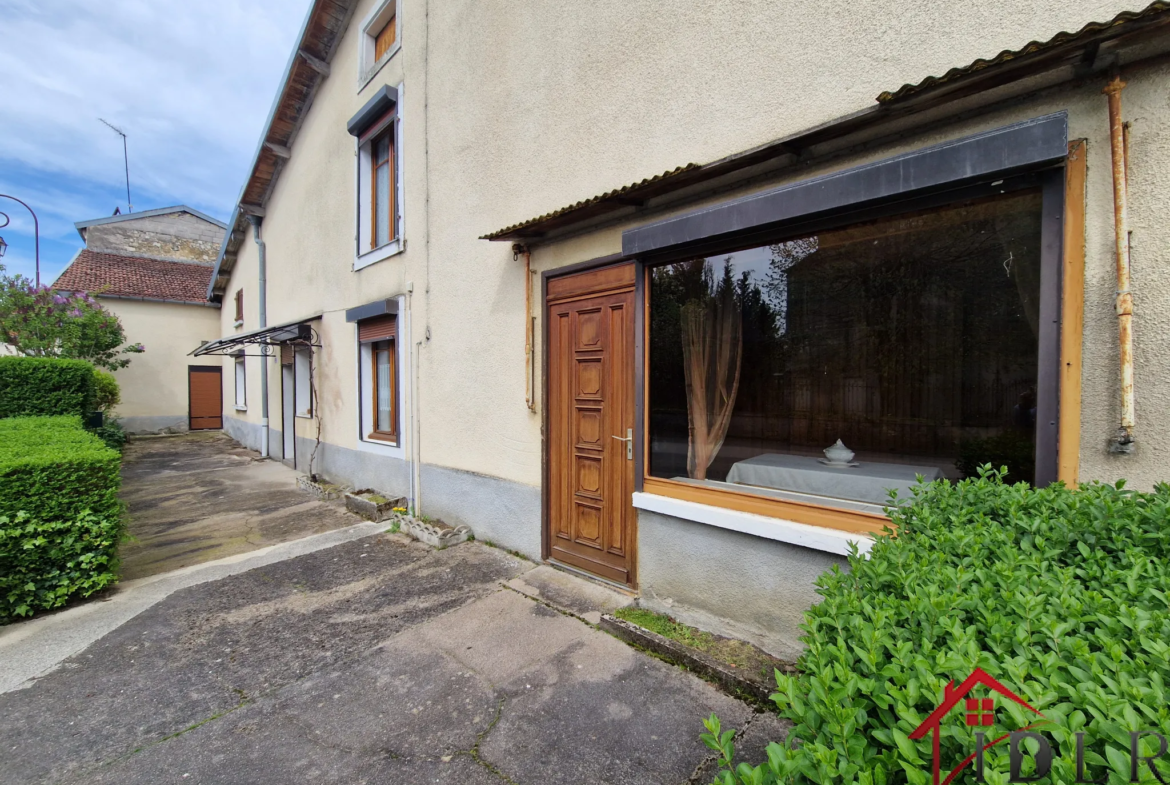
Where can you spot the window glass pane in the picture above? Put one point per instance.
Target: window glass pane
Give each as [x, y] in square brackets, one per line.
[382, 205]
[912, 340]
[241, 381]
[303, 393]
[384, 388]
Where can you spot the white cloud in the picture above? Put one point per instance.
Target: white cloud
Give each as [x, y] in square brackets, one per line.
[191, 83]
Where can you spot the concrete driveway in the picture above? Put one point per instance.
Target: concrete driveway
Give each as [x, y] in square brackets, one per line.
[201, 496]
[375, 660]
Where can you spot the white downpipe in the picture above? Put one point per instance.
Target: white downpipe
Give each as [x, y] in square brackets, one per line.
[263, 314]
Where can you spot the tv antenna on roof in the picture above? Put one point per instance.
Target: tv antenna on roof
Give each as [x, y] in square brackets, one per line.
[126, 158]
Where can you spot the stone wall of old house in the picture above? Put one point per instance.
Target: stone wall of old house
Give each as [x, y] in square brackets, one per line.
[176, 237]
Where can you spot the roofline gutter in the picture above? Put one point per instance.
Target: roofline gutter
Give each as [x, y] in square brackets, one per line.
[234, 223]
[155, 300]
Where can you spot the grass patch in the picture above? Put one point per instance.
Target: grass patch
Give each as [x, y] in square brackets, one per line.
[755, 663]
[667, 627]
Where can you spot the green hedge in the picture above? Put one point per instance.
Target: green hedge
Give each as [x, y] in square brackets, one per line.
[53, 469]
[1060, 594]
[60, 516]
[37, 386]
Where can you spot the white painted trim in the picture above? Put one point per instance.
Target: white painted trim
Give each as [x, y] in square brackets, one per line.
[365, 389]
[363, 189]
[379, 15]
[818, 538]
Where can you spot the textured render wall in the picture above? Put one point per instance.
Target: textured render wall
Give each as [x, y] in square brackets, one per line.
[727, 582]
[179, 237]
[154, 385]
[521, 124]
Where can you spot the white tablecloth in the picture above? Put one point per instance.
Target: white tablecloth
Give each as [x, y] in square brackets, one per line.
[867, 482]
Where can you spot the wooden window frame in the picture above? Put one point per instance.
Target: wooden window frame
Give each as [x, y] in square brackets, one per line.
[383, 48]
[375, 165]
[375, 434]
[1069, 227]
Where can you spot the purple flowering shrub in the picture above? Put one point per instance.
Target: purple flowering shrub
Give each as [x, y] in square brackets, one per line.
[44, 322]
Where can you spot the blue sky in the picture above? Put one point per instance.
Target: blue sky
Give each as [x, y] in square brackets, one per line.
[190, 82]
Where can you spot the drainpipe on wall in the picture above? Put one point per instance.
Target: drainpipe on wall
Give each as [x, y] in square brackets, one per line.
[1123, 442]
[529, 327]
[263, 312]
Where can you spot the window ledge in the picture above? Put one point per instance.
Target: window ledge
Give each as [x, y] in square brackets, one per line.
[364, 82]
[817, 538]
[392, 248]
[304, 415]
[241, 408]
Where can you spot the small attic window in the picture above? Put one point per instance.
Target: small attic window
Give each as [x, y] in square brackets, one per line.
[379, 38]
[384, 39]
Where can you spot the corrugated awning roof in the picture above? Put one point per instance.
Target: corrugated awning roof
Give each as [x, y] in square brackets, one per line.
[1080, 52]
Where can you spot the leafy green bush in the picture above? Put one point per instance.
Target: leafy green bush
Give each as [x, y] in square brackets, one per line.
[37, 386]
[53, 469]
[111, 432]
[107, 393]
[1060, 594]
[44, 564]
[60, 516]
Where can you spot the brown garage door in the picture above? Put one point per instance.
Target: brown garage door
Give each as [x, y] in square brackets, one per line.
[205, 391]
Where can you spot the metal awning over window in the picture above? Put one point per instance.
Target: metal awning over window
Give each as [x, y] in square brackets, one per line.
[299, 333]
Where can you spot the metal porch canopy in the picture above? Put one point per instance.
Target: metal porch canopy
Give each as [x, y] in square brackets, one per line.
[299, 332]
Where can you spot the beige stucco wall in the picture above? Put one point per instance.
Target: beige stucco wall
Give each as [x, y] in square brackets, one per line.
[154, 385]
[531, 107]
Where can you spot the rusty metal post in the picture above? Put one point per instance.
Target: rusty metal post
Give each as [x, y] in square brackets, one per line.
[1123, 441]
[529, 327]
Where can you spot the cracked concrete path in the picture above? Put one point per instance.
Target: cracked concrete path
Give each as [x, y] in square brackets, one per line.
[377, 660]
[200, 497]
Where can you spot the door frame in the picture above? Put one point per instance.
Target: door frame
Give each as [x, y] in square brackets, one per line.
[218, 369]
[639, 380]
[288, 421]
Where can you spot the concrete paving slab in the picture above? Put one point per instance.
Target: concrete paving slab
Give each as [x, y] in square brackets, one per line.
[201, 496]
[579, 596]
[209, 649]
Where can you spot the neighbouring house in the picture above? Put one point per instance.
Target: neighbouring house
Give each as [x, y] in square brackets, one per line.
[152, 270]
[603, 281]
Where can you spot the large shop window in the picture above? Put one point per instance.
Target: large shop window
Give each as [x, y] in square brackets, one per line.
[911, 342]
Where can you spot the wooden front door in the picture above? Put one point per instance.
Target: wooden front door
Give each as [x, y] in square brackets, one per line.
[591, 520]
[205, 397]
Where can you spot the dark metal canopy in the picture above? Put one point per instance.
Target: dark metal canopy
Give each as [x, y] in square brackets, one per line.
[299, 332]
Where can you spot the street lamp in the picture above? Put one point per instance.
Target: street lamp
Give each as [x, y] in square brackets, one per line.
[36, 234]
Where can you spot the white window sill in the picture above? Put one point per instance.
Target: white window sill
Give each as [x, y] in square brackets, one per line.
[304, 415]
[392, 248]
[818, 538]
[241, 408]
[364, 82]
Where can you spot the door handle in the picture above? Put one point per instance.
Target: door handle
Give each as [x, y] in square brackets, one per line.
[629, 440]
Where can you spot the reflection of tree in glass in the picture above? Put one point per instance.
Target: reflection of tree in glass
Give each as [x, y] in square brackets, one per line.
[785, 256]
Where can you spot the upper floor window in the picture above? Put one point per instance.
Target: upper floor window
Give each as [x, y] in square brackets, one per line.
[382, 192]
[379, 40]
[377, 128]
[239, 307]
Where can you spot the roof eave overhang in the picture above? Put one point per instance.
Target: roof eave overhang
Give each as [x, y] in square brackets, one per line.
[308, 65]
[1064, 58]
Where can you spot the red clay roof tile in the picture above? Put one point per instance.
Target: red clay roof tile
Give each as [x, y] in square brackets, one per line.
[134, 276]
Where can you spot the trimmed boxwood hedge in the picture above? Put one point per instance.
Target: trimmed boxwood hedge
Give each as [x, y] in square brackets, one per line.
[38, 386]
[60, 516]
[1063, 595]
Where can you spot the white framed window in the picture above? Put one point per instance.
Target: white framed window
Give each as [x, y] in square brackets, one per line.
[303, 370]
[382, 369]
[380, 41]
[241, 385]
[379, 190]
